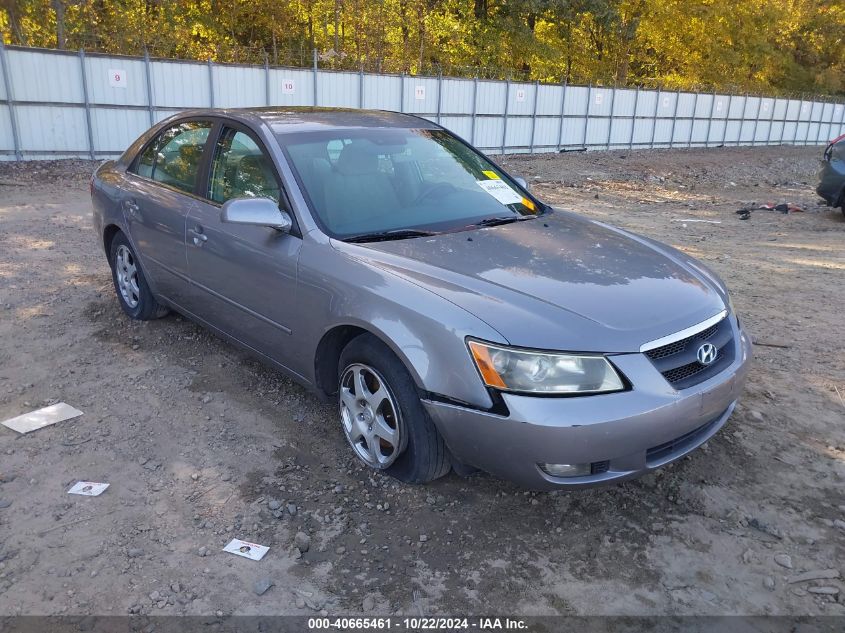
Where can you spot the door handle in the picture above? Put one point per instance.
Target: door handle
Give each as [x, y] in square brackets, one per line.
[198, 237]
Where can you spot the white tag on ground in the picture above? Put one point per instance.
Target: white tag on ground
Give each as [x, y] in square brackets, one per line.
[35, 420]
[88, 488]
[500, 190]
[246, 549]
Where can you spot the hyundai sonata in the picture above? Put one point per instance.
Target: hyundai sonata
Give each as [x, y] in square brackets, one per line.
[456, 319]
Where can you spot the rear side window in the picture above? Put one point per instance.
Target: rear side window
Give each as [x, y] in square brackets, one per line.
[174, 157]
[240, 169]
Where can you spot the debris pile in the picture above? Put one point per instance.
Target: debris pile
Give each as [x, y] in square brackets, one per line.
[783, 207]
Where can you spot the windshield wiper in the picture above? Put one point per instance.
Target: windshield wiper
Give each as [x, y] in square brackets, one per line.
[503, 220]
[383, 236]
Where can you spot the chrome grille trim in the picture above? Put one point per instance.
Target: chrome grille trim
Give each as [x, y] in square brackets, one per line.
[685, 333]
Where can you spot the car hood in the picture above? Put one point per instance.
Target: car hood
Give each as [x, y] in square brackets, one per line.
[559, 281]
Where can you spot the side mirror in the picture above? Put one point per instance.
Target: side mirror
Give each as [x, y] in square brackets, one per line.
[256, 212]
[521, 182]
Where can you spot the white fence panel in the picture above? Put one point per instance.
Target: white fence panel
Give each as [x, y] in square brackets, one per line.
[546, 134]
[548, 100]
[518, 134]
[62, 103]
[180, 85]
[460, 125]
[624, 100]
[576, 100]
[491, 97]
[339, 90]
[521, 99]
[382, 92]
[488, 133]
[116, 129]
[6, 134]
[291, 87]
[421, 95]
[116, 81]
[46, 128]
[458, 94]
[45, 77]
[239, 86]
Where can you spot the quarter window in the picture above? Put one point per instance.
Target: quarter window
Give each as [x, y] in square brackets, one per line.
[241, 170]
[174, 157]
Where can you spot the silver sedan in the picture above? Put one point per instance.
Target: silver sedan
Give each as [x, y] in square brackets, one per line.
[457, 320]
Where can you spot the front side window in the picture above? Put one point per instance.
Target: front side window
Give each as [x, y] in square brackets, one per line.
[362, 182]
[174, 157]
[241, 170]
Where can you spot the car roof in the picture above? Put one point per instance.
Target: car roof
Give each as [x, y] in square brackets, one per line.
[293, 119]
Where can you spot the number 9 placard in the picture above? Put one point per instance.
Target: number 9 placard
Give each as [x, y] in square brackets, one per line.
[117, 78]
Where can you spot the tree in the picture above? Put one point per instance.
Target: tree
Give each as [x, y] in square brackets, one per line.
[784, 45]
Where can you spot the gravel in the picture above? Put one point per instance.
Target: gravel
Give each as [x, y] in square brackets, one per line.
[818, 574]
[260, 587]
[302, 541]
[147, 430]
[784, 560]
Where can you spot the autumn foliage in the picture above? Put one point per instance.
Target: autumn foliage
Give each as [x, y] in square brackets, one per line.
[743, 45]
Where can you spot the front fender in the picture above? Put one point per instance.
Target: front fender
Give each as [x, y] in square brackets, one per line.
[425, 331]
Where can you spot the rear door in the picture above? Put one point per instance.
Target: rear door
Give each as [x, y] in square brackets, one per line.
[160, 190]
[243, 278]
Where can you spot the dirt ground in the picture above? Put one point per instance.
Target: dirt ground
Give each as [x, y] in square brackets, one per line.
[201, 444]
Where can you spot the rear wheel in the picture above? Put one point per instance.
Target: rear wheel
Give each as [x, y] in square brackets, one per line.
[133, 293]
[382, 416]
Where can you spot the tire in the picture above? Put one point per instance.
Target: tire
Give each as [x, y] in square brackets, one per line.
[135, 299]
[420, 453]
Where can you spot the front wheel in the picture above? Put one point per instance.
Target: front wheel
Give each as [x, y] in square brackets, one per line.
[382, 416]
[134, 295]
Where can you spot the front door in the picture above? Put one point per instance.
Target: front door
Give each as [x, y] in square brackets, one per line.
[243, 278]
[158, 194]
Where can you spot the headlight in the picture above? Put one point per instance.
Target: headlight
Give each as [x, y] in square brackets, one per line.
[543, 372]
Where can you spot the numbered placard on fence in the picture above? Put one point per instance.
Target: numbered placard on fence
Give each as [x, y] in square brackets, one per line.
[117, 78]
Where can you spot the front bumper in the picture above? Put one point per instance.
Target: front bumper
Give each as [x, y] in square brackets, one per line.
[629, 433]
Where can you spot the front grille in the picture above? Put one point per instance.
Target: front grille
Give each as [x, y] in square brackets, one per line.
[679, 346]
[683, 372]
[597, 468]
[667, 350]
[678, 363]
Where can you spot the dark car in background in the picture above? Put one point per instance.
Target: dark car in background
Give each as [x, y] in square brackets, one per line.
[831, 185]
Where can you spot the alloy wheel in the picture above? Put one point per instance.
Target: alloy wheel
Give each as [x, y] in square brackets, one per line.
[370, 416]
[126, 272]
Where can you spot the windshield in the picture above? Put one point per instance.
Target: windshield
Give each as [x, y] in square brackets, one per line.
[363, 182]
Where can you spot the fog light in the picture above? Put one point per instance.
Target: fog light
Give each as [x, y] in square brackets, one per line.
[566, 470]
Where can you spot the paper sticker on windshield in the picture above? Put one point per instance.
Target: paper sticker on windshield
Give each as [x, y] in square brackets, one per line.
[500, 190]
[492, 175]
